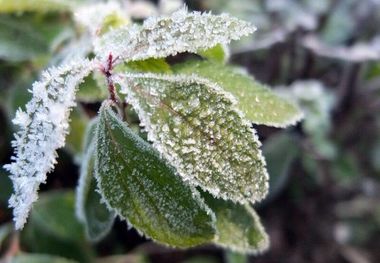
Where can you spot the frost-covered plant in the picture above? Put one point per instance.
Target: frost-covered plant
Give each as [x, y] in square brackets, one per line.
[187, 179]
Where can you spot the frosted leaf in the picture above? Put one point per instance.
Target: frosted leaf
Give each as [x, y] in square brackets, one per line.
[238, 226]
[43, 128]
[144, 189]
[168, 35]
[89, 207]
[258, 103]
[194, 124]
[93, 16]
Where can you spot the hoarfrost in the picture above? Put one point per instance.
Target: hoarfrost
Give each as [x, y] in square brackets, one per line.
[168, 35]
[208, 141]
[43, 128]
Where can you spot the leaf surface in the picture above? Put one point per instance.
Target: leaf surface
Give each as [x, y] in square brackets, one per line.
[238, 226]
[90, 208]
[259, 104]
[194, 124]
[143, 189]
[164, 36]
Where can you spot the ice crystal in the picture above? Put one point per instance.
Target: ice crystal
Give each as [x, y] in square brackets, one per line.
[168, 35]
[194, 124]
[43, 127]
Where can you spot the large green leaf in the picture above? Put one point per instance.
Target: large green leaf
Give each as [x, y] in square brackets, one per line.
[90, 209]
[259, 104]
[238, 226]
[39, 258]
[194, 124]
[142, 188]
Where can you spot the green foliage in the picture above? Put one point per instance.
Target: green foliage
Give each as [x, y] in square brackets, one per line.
[259, 104]
[195, 125]
[53, 228]
[142, 188]
[238, 227]
[90, 209]
[218, 54]
[196, 116]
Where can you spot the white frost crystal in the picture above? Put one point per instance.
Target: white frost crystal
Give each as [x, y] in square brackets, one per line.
[43, 128]
[194, 124]
[168, 35]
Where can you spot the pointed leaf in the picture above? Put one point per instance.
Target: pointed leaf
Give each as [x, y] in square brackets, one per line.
[259, 104]
[238, 226]
[90, 209]
[194, 124]
[144, 189]
[160, 37]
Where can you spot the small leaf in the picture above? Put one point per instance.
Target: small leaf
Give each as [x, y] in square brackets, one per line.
[238, 226]
[39, 258]
[194, 125]
[154, 65]
[259, 104]
[90, 209]
[143, 189]
[218, 54]
[91, 90]
[163, 36]
[78, 124]
[43, 127]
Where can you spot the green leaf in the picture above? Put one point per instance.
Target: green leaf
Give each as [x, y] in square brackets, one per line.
[53, 228]
[142, 188]
[238, 226]
[280, 151]
[194, 125]
[39, 258]
[78, 125]
[90, 209]
[17, 6]
[55, 213]
[91, 90]
[259, 104]
[233, 257]
[218, 54]
[160, 37]
[19, 39]
[154, 65]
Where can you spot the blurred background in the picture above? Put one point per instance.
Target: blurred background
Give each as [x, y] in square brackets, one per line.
[324, 201]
